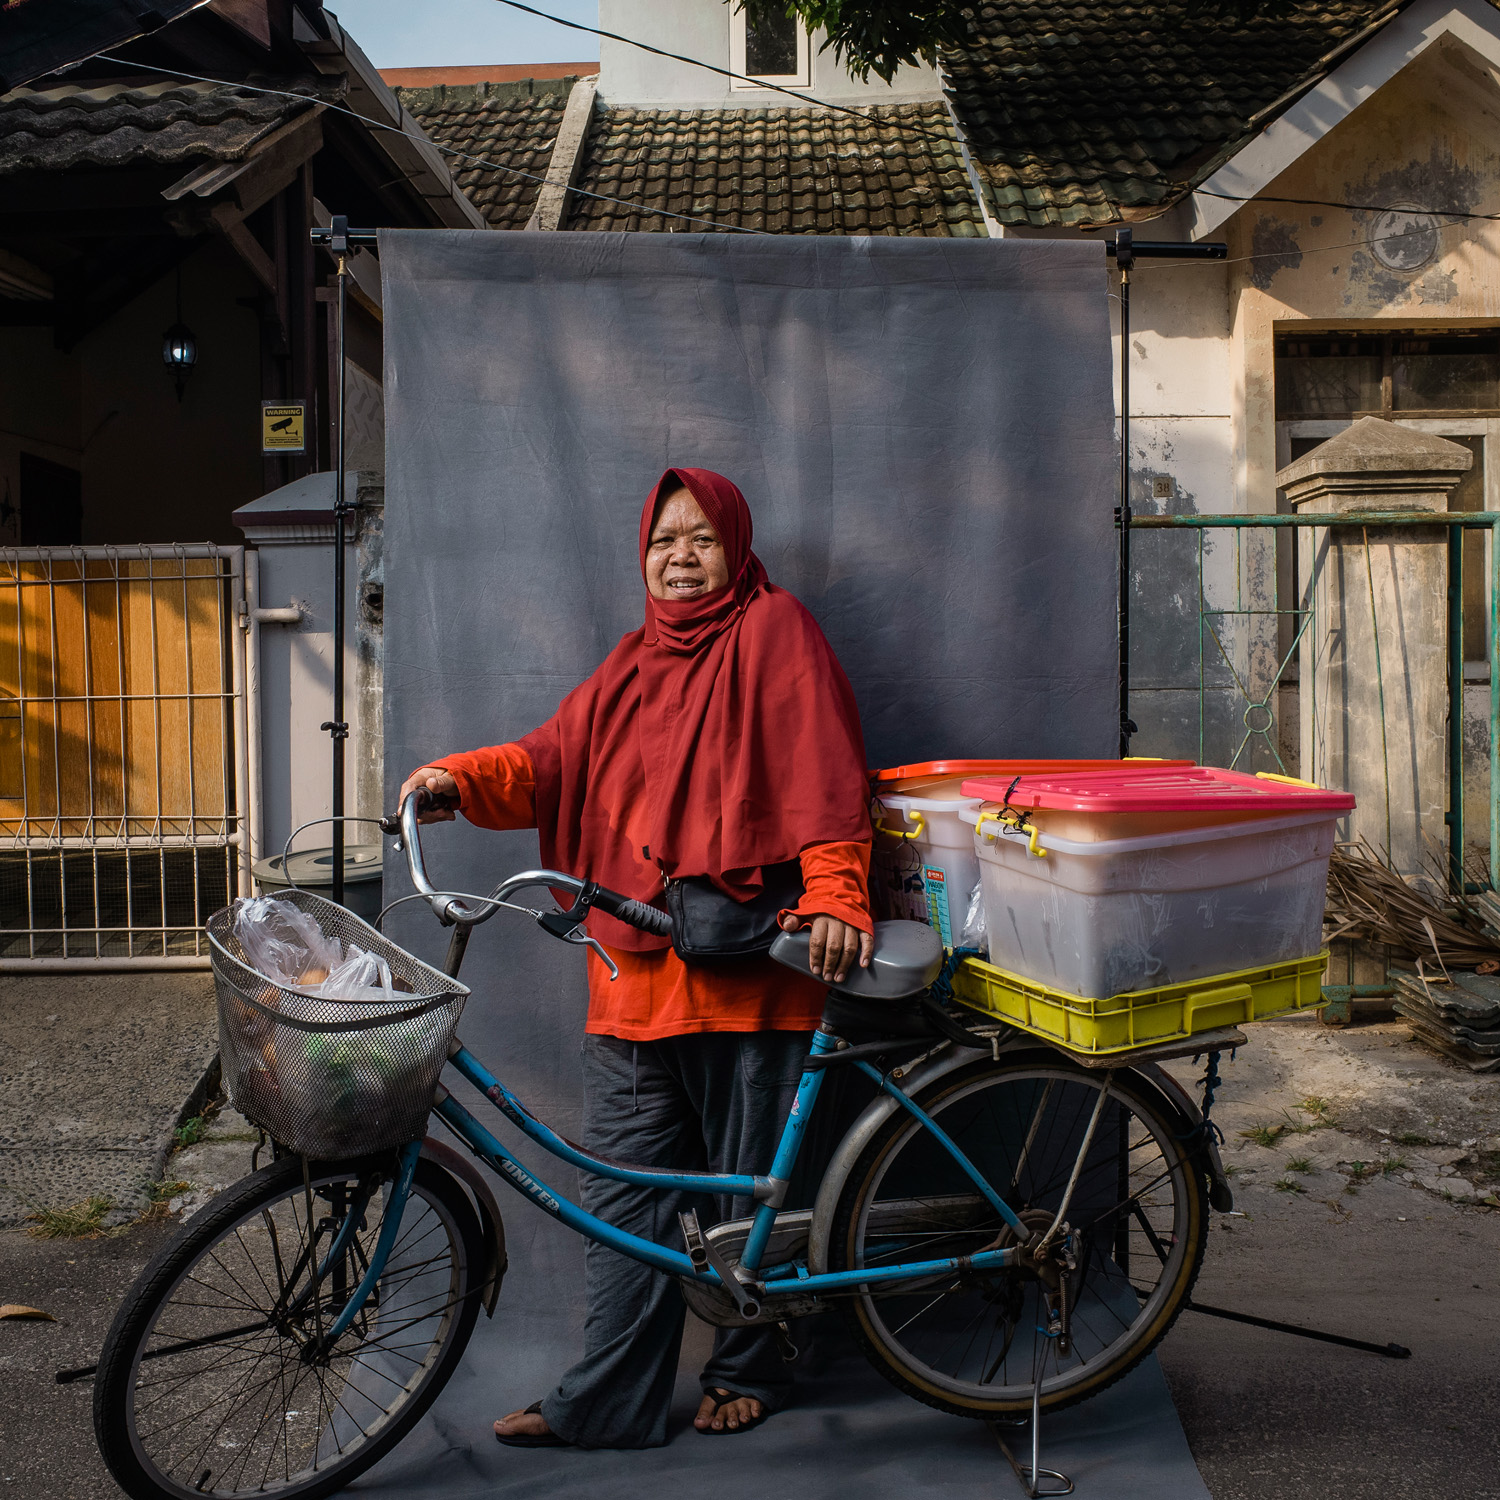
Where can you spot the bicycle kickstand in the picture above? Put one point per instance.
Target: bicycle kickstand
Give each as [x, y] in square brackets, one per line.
[1031, 1477]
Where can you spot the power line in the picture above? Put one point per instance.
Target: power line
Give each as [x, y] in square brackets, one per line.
[762, 83]
[697, 62]
[950, 141]
[478, 161]
[1283, 255]
[1366, 208]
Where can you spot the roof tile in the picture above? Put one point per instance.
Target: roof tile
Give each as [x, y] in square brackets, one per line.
[123, 124]
[499, 139]
[891, 169]
[1127, 104]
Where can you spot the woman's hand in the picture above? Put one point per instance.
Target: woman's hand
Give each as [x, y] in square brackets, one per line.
[833, 946]
[440, 783]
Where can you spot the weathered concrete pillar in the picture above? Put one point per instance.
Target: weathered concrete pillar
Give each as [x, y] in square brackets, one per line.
[1373, 658]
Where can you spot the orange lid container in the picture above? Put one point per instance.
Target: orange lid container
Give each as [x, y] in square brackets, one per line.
[924, 773]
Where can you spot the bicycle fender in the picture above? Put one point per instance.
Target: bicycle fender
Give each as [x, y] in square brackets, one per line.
[495, 1260]
[922, 1073]
[913, 1078]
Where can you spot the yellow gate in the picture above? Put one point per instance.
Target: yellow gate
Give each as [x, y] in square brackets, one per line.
[122, 752]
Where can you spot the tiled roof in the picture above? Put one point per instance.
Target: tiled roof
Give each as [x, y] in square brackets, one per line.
[894, 169]
[1089, 112]
[118, 124]
[505, 125]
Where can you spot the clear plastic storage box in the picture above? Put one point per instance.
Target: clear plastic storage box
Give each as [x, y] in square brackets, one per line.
[1101, 917]
[924, 868]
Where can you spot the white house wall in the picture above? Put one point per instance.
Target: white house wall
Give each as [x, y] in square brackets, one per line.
[700, 29]
[1183, 394]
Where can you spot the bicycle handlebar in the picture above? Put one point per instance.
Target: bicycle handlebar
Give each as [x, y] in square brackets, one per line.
[450, 909]
[634, 913]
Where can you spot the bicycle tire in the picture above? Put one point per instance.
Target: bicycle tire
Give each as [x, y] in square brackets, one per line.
[928, 1218]
[438, 1260]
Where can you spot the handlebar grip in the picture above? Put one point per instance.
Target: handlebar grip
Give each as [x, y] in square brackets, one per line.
[634, 913]
[391, 823]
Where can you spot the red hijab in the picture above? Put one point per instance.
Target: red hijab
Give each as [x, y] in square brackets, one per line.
[717, 739]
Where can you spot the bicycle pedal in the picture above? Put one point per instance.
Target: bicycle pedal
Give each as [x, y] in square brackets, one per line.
[705, 1257]
[784, 1345]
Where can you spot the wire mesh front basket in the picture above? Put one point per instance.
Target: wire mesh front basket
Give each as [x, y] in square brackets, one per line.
[332, 1078]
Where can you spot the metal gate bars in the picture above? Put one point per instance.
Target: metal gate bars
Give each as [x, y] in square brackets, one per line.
[122, 753]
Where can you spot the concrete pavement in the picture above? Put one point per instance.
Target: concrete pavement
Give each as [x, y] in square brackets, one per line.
[1364, 1215]
[94, 1073]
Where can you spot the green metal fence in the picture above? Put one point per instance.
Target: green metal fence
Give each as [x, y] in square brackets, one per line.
[1259, 714]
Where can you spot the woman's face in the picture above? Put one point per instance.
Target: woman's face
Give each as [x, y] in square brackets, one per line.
[684, 557]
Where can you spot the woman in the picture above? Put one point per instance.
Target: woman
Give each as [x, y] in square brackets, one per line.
[717, 740]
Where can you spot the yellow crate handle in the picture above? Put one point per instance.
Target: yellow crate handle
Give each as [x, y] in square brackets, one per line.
[896, 833]
[1013, 820]
[1288, 780]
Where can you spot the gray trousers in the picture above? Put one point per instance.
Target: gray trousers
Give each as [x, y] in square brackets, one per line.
[715, 1102]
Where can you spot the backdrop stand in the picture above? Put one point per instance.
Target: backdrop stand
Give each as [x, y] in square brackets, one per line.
[1124, 250]
[338, 238]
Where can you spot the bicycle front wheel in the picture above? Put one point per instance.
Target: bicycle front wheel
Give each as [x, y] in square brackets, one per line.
[213, 1380]
[973, 1343]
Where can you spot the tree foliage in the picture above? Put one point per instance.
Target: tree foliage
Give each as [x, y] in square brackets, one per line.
[879, 36]
[873, 36]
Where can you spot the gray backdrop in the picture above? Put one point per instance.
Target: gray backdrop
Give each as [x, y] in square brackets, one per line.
[923, 430]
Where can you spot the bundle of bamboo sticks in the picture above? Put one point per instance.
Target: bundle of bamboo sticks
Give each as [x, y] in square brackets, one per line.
[1369, 902]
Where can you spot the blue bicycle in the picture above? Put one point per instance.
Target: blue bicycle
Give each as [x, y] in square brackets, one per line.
[1001, 1225]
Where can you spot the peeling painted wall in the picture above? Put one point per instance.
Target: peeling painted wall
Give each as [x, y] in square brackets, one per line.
[1204, 434]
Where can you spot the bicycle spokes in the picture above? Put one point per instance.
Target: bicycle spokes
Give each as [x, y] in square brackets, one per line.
[238, 1389]
[1106, 1202]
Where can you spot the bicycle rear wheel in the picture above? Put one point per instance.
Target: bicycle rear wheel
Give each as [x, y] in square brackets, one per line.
[972, 1343]
[205, 1385]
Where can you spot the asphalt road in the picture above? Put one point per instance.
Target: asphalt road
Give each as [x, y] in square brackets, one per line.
[1268, 1417]
[47, 1432]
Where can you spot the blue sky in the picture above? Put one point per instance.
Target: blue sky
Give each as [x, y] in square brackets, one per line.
[434, 33]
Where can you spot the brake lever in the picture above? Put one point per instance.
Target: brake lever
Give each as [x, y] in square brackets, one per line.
[581, 939]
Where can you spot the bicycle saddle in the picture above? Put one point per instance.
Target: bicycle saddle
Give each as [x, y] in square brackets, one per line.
[906, 960]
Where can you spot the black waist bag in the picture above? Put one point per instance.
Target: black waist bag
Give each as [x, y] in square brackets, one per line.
[708, 926]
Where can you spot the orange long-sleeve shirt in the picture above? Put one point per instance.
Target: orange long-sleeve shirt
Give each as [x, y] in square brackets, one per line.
[657, 995]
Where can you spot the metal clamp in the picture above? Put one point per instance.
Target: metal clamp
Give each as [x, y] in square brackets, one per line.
[1013, 821]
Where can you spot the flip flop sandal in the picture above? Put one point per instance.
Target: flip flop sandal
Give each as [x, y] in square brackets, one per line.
[530, 1439]
[722, 1398]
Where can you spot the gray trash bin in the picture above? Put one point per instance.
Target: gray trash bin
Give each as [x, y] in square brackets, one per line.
[312, 870]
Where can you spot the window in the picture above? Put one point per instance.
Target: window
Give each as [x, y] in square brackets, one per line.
[1443, 381]
[1348, 375]
[777, 49]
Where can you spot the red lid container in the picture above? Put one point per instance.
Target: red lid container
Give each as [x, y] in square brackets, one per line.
[1162, 788]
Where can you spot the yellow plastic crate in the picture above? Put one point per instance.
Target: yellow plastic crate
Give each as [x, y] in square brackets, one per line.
[1145, 1018]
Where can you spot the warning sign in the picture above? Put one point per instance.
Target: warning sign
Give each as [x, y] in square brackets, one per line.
[283, 427]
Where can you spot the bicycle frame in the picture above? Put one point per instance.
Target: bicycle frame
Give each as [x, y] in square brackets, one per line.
[769, 1192]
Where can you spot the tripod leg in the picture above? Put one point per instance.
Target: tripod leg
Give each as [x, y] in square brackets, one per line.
[1391, 1351]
